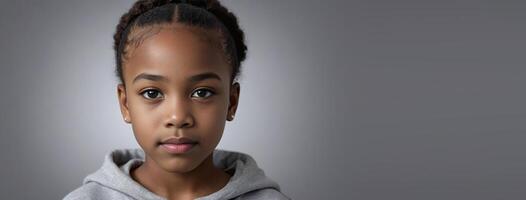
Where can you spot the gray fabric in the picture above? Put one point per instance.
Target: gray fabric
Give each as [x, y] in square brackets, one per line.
[113, 181]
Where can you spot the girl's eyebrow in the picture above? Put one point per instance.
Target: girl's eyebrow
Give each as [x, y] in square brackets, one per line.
[203, 76]
[194, 78]
[151, 77]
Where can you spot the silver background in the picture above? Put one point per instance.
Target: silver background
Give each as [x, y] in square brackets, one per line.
[373, 99]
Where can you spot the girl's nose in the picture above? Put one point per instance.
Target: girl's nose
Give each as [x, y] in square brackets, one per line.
[179, 115]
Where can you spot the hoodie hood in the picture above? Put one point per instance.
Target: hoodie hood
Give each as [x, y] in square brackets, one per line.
[247, 177]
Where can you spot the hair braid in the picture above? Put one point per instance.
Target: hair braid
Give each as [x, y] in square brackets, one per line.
[208, 14]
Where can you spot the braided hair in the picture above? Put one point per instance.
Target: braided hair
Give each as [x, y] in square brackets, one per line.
[206, 14]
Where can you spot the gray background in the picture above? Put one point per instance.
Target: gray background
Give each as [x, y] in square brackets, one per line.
[375, 99]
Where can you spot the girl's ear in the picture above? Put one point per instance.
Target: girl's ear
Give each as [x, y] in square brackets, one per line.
[123, 102]
[234, 101]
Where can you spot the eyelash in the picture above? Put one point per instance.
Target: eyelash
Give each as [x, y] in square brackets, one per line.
[210, 92]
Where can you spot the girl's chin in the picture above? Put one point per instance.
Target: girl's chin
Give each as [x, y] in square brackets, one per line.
[179, 165]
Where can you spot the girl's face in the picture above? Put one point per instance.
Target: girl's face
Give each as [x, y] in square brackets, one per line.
[177, 85]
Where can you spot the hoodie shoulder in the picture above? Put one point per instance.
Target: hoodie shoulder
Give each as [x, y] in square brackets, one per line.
[268, 193]
[112, 180]
[248, 181]
[94, 191]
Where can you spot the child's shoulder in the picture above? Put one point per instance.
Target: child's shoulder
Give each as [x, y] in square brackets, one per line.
[93, 190]
[248, 181]
[268, 193]
[111, 180]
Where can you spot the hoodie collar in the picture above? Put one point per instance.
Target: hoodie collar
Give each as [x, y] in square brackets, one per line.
[115, 174]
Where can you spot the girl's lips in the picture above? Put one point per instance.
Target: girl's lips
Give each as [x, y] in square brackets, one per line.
[180, 140]
[177, 145]
[178, 148]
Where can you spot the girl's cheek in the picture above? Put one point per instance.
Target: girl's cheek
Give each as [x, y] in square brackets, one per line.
[214, 111]
[217, 119]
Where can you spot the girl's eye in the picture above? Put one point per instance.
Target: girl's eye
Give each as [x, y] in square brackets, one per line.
[202, 93]
[151, 94]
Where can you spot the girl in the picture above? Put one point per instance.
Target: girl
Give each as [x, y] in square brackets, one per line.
[178, 62]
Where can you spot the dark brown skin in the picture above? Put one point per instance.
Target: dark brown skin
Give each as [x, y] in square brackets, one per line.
[178, 52]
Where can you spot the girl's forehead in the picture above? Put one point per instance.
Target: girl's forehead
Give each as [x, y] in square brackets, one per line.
[176, 50]
[137, 35]
[174, 38]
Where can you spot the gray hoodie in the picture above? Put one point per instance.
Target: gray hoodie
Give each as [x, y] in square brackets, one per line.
[113, 181]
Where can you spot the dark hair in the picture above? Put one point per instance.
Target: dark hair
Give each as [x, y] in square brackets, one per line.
[206, 14]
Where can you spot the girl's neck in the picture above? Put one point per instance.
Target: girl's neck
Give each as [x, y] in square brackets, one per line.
[203, 180]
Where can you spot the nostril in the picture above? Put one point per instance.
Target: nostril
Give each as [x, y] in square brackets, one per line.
[186, 124]
[183, 125]
[182, 121]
